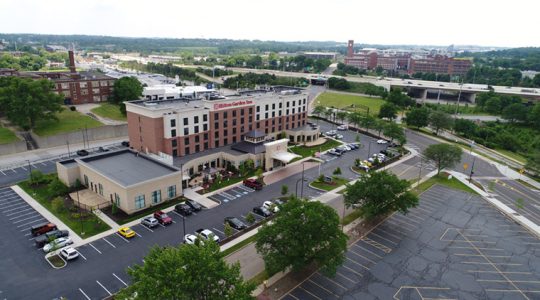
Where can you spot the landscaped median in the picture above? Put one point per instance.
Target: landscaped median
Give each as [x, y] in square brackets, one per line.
[326, 183]
[306, 151]
[47, 191]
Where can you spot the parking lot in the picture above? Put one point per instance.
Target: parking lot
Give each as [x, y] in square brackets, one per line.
[454, 245]
[231, 194]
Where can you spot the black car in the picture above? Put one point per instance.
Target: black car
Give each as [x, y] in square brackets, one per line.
[82, 152]
[101, 149]
[183, 209]
[125, 143]
[51, 235]
[261, 211]
[194, 205]
[235, 223]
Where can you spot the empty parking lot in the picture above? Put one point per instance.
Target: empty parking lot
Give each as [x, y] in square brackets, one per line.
[454, 245]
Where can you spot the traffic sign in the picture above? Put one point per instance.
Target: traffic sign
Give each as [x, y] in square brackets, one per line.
[522, 171]
[465, 166]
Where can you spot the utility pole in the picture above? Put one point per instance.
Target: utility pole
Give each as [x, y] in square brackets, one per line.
[29, 170]
[472, 167]
[459, 96]
[69, 153]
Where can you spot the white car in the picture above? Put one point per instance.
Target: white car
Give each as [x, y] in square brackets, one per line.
[270, 206]
[57, 244]
[69, 253]
[382, 142]
[342, 127]
[330, 133]
[344, 148]
[190, 239]
[207, 234]
[339, 136]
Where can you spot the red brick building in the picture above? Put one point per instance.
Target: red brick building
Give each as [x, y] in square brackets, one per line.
[440, 65]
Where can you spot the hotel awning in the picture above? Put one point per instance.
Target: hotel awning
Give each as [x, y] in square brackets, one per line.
[285, 157]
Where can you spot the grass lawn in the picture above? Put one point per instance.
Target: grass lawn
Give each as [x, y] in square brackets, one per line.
[216, 185]
[309, 151]
[67, 121]
[338, 100]
[350, 217]
[516, 156]
[442, 180]
[109, 111]
[7, 136]
[240, 245]
[90, 226]
[336, 182]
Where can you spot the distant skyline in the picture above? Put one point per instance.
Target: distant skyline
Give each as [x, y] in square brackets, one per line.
[392, 22]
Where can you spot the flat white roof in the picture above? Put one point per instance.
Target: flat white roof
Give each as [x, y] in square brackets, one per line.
[285, 157]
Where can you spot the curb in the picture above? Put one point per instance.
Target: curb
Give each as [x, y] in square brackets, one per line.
[51, 254]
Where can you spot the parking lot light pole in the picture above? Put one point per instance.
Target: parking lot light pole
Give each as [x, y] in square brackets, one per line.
[302, 188]
[184, 227]
[472, 167]
[29, 170]
[369, 150]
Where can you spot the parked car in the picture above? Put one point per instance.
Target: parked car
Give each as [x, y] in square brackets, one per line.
[149, 222]
[101, 149]
[340, 151]
[363, 167]
[330, 133]
[334, 152]
[69, 253]
[382, 141]
[195, 206]
[125, 143]
[183, 209]
[57, 244]
[339, 136]
[82, 152]
[342, 127]
[253, 183]
[262, 211]
[207, 234]
[271, 206]
[235, 223]
[344, 148]
[354, 146]
[126, 232]
[47, 237]
[42, 228]
[190, 239]
[279, 202]
[162, 218]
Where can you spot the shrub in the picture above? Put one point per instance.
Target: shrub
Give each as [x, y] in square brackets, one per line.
[57, 188]
[337, 171]
[37, 177]
[58, 204]
[250, 218]
[284, 190]
[228, 230]
[73, 108]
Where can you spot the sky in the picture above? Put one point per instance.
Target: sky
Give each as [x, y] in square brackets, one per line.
[391, 22]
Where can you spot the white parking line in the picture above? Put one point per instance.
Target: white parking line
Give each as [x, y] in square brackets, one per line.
[10, 204]
[109, 243]
[8, 198]
[106, 290]
[23, 168]
[118, 234]
[145, 227]
[120, 279]
[13, 170]
[94, 248]
[38, 220]
[12, 209]
[11, 214]
[82, 255]
[174, 212]
[138, 234]
[84, 294]
[19, 221]
[218, 230]
[43, 163]
[29, 213]
[3, 173]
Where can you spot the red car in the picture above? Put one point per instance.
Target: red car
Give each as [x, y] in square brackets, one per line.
[254, 184]
[162, 218]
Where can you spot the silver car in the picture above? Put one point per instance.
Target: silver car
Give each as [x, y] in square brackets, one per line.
[57, 244]
[149, 222]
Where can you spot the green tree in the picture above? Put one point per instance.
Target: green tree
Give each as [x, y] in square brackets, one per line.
[465, 127]
[126, 89]
[341, 115]
[57, 188]
[284, 189]
[443, 155]
[186, 272]
[250, 218]
[303, 232]
[533, 162]
[379, 194]
[357, 138]
[337, 171]
[228, 230]
[319, 110]
[536, 80]
[25, 101]
[440, 120]
[259, 174]
[515, 112]
[493, 105]
[534, 116]
[57, 204]
[388, 110]
[37, 177]
[417, 117]
[394, 132]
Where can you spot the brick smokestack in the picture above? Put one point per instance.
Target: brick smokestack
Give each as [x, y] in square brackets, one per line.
[350, 50]
[72, 68]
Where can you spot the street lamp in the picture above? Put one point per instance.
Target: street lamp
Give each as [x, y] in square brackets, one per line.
[296, 189]
[29, 170]
[419, 175]
[472, 166]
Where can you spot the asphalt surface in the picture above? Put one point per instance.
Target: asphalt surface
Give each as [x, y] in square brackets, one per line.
[454, 245]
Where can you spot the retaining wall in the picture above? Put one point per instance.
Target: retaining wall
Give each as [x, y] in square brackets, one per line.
[76, 137]
[11, 148]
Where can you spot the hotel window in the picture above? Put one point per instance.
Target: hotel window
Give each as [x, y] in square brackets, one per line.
[280, 113]
[225, 141]
[273, 114]
[139, 201]
[234, 113]
[234, 122]
[206, 136]
[304, 100]
[266, 115]
[234, 130]
[258, 118]
[171, 191]
[186, 131]
[216, 125]
[293, 111]
[225, 132]
[216, 143]
[196, 139]
[287, 104]
[196, 120]
[273, 106]
[173, 133]
[173, 122]
[205, 118]
[206, 146]
[117, 199]
[100, 189]
[234, 139]
[216, 134]
[196, 129]
[197, 148]
[287, 112]
[174, 143]
[186, 121]
[225, 115]
[258, 108]
[156, 196]
[250, 110]
[216, 116]
[280, 105]
[299, 102]
[86, 180]
[242, 112]
[266, 107]
[186, 141]
[186, 151]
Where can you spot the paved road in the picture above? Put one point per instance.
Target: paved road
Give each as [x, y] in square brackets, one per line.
[454, 245]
